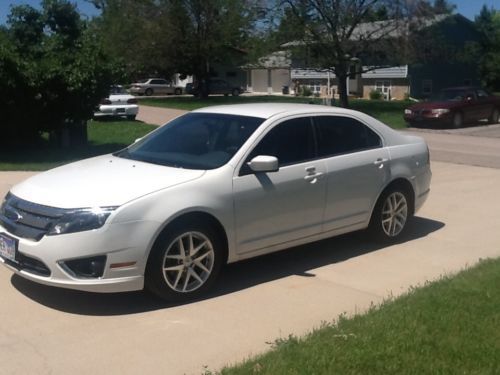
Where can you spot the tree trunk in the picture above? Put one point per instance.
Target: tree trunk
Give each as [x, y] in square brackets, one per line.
[342, 87]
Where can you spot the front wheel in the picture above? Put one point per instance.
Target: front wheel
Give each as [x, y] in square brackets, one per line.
[391, 214]
[184, 262]
[457, 120]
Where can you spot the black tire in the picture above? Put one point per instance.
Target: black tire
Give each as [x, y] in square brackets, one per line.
[131, 117]
[235, 92]
[178, 92]
[457, 120]
[159, 282]
[494, 117]
[381, 227]
[148, 92]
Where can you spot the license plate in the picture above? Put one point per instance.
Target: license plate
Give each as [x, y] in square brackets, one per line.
[120, 110]
[7, 248]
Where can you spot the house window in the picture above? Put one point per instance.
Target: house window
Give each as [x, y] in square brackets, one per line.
[384, 87]
[427, 86]
[315, 87]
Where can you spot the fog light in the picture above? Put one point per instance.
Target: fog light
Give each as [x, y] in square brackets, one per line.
[88, 268]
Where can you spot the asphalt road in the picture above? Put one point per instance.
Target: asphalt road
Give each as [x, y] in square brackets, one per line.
[46, 330]
[479, 145]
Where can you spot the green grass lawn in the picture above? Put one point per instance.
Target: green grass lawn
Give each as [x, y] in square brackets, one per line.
[104, 137]
[391, 113]
[190, 102]
[448, 327]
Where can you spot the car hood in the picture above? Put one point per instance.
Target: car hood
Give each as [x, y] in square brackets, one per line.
[101, 181]
[434, 105]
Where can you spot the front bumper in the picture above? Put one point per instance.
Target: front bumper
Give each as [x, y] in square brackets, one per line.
[117, 110]
[122, 243]
[428, 119]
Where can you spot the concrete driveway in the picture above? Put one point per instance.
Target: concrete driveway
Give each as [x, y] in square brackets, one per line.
[45, 330]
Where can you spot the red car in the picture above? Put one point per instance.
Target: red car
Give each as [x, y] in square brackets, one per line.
[455, 107]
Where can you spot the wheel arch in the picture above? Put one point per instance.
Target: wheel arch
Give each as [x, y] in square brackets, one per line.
[189, 217]
[403, 183]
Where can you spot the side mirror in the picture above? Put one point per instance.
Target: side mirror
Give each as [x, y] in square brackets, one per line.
[264, 163]
[137, 140]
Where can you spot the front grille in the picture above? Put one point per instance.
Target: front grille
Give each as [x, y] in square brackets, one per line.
[26, 219]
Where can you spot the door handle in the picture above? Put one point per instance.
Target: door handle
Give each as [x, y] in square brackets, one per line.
[311, 177]
[380, 162]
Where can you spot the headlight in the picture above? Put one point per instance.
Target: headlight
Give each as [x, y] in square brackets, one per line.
[440, 111]
[408, 112]
[81, 220]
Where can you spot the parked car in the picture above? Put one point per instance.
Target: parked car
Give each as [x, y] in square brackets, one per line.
[455, 107]
[155, 86]
[215, 87]
[211, 187]
[119, 103]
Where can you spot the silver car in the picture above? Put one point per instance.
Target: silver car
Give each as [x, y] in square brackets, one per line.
[155, 86]
[214, 186]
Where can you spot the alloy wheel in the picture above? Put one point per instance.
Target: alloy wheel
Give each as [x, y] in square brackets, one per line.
[188, 262]
[394, 214]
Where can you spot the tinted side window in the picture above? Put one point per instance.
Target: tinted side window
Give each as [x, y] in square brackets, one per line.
[341, 135]
[291, 142]
[158, 82]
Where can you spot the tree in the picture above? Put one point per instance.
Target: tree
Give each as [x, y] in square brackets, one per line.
[207, 32]
[162, 37]
[54, 69]
[338, 33]
[488, 51]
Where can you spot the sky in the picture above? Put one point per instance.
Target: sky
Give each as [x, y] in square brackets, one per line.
[468, 8]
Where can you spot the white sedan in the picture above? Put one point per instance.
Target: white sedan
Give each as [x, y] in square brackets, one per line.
[214, 186]
[119, 103]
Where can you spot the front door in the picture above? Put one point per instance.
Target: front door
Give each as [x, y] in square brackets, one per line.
[278, 207]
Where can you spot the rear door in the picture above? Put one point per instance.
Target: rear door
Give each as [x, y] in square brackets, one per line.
[357, 168]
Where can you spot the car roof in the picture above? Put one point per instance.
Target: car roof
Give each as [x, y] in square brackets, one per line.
[267, 110]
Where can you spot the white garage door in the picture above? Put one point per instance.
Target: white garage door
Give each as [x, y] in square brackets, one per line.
[280, 78]
[259, 80]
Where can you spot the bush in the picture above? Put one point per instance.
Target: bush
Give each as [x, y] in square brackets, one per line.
[375, 95]
[305, 91]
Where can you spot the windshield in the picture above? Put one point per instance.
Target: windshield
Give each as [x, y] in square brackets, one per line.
[194, 141]
[451, 95]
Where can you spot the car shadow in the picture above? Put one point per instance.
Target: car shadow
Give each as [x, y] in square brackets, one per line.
[299, 261]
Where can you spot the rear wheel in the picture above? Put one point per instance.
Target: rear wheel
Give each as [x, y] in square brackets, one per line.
[391, 214]
[235, 92]
[184, 262]
[494, 117]
[178, 91]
